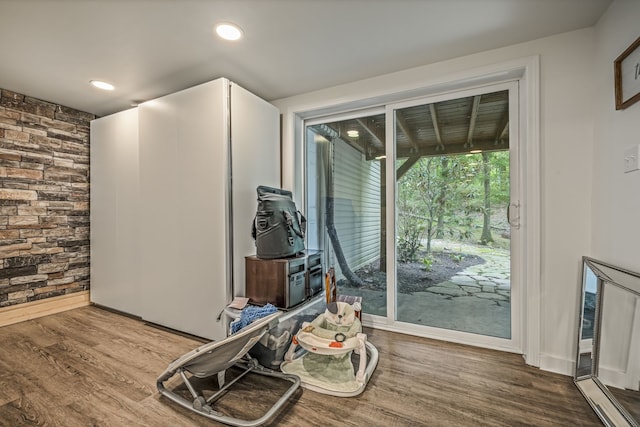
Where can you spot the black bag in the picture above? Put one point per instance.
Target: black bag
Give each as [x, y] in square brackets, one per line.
[278, 227]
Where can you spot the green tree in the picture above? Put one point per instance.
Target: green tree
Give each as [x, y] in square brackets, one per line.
[486, 236]
[443, 195]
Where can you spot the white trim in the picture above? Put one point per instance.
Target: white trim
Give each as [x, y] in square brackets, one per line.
[392, 219]
[354, 114]
[484, 341]
[518, 280]
[514, 342]
[531, 203]
[633, 369]
[614, 377]
[510, 70]
[559, 365]
[527, 72]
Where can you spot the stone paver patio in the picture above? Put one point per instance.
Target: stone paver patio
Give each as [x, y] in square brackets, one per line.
[476, 300]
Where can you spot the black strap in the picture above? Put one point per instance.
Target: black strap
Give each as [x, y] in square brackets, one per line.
[253, 227]
[303, 223]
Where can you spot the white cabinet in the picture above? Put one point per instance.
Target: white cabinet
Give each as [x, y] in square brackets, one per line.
[113, 211]
[201, 154]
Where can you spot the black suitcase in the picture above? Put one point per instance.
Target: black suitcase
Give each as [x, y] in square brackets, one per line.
[278, 227]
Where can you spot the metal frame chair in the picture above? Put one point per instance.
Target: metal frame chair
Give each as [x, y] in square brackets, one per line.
[214, 359]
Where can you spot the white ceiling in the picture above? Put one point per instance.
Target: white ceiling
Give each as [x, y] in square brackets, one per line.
[50, 49]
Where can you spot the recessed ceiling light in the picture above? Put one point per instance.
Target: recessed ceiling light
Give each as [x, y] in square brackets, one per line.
[229, 31]
[102, 85]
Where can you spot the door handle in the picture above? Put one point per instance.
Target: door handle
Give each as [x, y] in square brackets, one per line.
[513, 218]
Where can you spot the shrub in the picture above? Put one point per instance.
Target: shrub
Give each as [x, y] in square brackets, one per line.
[410, 231]
[427, 262]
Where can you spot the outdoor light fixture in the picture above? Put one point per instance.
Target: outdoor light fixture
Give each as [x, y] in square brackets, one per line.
[229, 31]
[475, 151]
[353, 133]
[102, 85]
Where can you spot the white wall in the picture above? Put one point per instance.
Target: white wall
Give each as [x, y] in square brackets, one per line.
[616, 195]
[566, 140]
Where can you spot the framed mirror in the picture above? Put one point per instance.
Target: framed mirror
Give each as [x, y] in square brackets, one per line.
[607, 368]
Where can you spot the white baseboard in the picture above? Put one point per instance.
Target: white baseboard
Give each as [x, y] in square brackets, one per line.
[617, 378]
[557, 364]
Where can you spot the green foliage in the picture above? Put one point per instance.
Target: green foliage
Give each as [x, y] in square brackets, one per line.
[500, 177]
[427, 262]
[457, 258]
[446, 197]
[410, 231]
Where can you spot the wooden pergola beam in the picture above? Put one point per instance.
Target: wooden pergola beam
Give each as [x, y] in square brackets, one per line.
[407, 165]
[406, 130]
[436, 126]
[433, 149]
[503, 128]
[472, 121]
[370, 131]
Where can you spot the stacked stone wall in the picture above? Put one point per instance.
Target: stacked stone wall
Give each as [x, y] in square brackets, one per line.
[44, 199]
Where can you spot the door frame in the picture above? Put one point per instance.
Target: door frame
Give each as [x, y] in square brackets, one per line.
[517, 310]
[526, 71]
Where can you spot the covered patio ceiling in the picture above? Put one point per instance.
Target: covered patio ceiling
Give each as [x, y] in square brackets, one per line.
[456, 126]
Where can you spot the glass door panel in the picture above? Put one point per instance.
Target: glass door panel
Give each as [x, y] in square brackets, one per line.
[453, 263]
[345, 203]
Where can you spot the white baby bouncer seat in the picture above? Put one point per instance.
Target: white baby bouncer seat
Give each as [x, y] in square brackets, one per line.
[335, 357]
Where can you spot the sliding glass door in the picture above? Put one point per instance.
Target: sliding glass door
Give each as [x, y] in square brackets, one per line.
[410, 204]
[453, 263]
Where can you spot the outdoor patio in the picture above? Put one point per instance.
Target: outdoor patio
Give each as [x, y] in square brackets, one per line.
[476, 299]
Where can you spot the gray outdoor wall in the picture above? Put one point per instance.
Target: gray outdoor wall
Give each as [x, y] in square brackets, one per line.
[357, 206]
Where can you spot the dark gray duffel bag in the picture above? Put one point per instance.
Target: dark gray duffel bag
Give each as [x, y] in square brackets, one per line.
[278, 227]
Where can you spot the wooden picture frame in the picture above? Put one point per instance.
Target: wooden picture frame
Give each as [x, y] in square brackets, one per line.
[627, 76]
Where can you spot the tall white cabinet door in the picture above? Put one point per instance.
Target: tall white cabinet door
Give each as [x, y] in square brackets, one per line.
[255, 154]
[114, 198]
[183, 221]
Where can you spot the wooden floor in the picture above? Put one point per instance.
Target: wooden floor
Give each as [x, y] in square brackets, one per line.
[92, 367]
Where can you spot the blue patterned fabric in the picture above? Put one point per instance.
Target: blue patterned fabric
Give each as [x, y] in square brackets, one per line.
[251, 313]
